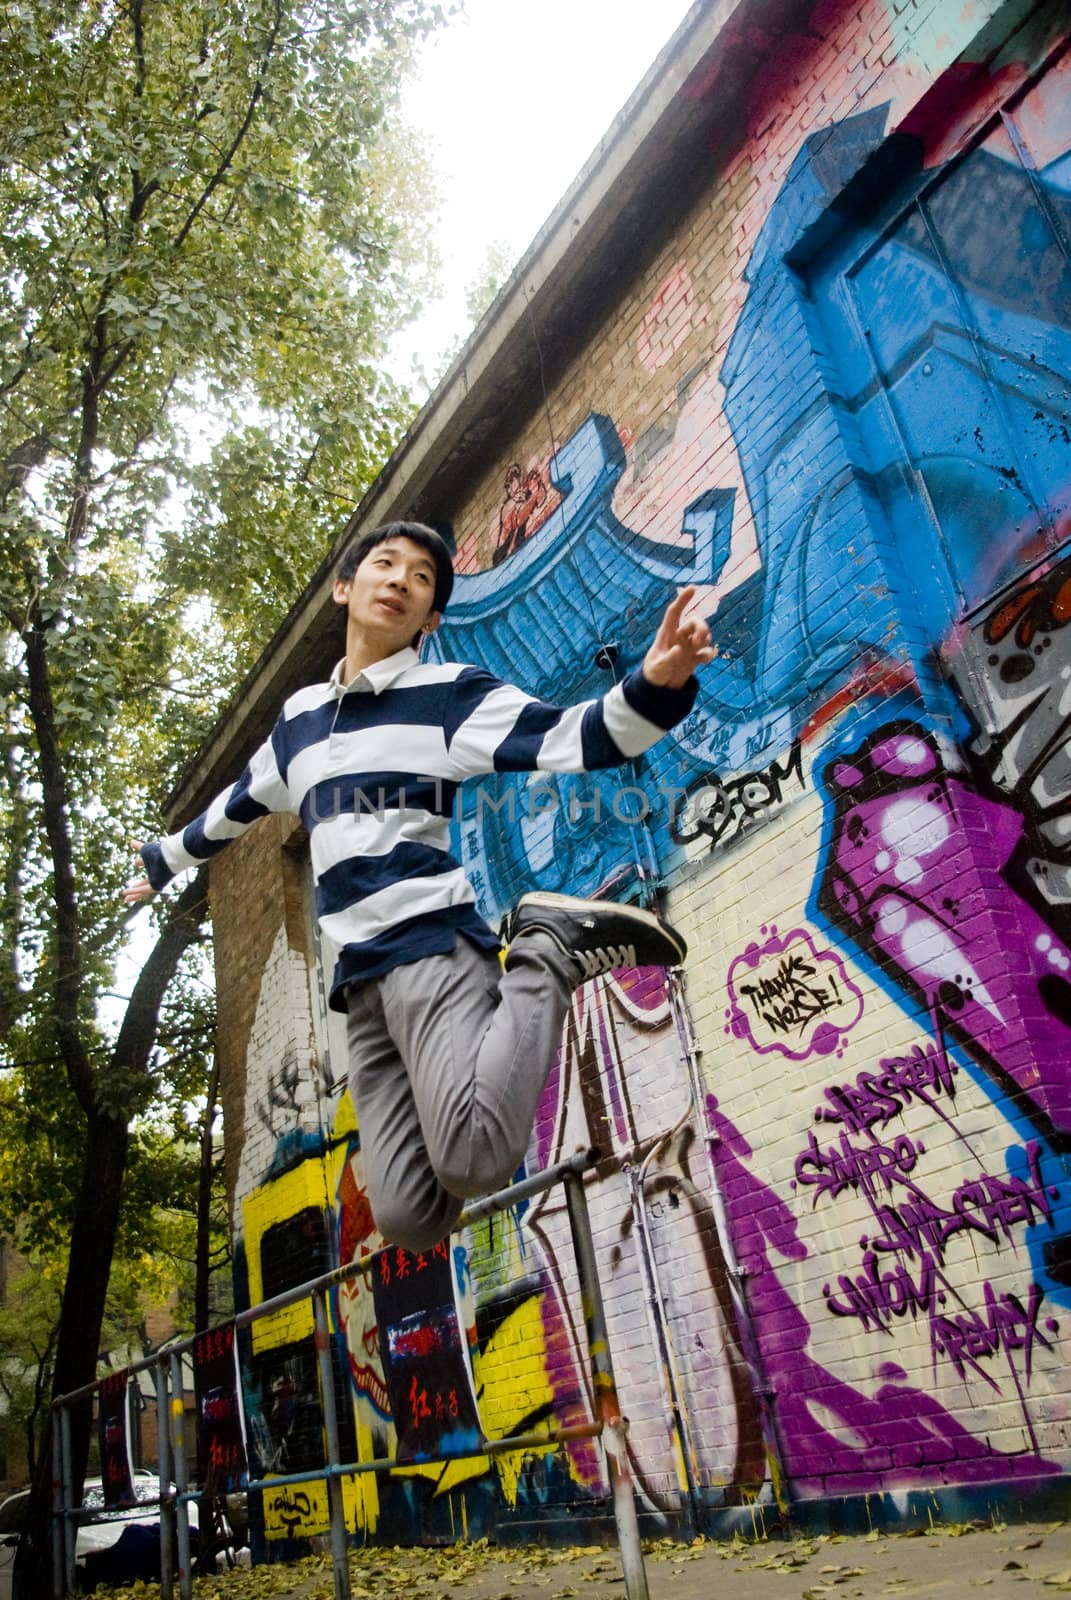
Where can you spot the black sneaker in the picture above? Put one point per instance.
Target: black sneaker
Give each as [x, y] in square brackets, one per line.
[599, 934]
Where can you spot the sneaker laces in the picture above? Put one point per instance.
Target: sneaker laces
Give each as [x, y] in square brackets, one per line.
[605, 958]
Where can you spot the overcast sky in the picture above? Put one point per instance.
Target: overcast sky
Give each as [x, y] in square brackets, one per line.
[512, 98]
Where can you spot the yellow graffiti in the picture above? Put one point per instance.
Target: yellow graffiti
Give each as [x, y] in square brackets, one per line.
[777, 1479]
[511, 1372]
[300, 1510]
[296, 1510]
[262, 1208]
[362, 1492]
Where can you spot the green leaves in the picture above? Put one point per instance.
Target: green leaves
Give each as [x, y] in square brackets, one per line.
[208, 229]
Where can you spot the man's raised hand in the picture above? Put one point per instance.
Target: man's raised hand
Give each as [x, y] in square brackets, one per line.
[680, 645]
[140, 889]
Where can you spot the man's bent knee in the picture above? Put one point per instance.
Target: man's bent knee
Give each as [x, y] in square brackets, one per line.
[415, 1230]
[483, 1172]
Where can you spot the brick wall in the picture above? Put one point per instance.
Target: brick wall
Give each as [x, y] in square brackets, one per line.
[830, 391]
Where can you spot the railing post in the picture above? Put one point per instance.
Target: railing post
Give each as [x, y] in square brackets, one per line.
[182, 1505]
[57, 1508]
[336, 1507]
[607, 1407]
[167, 1505]
[70, 1529]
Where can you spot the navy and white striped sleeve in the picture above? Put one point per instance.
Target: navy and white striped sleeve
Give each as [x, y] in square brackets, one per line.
[260, 789]
[495, 727]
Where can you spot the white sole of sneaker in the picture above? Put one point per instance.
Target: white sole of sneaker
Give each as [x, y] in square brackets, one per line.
[566, 902]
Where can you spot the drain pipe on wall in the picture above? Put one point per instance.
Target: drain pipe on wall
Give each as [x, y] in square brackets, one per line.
[738, 1274]
[652, 883]
[658, 1319]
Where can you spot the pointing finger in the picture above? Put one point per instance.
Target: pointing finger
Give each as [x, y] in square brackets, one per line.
[680, 602]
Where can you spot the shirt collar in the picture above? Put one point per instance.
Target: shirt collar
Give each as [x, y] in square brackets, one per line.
[378, 675]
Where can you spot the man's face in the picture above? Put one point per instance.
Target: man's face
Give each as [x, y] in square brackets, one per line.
[390, 596]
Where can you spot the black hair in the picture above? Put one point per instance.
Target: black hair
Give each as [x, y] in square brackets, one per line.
[417, 533]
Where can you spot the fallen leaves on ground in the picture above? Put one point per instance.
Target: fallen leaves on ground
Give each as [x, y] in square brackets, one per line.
[422, 1573]
[482, 1571]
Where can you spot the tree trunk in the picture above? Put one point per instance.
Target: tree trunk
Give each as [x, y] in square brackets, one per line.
[96, 1222]
[92, 1242]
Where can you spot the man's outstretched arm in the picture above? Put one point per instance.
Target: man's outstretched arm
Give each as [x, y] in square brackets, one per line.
[260, 789]
[493, 726]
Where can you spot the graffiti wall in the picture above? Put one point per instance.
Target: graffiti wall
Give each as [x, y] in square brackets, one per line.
[833, 1204]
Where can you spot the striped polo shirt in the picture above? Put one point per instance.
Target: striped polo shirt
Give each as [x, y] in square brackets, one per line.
[372, 769]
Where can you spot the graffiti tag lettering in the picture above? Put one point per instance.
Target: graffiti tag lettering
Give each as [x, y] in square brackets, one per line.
[845, 1166]
[902, 1263]
[879, 1296]
[988, 1204]
[793, 996]
[291, 1508]
[878, 1097]
[787, 996]
[721, 809]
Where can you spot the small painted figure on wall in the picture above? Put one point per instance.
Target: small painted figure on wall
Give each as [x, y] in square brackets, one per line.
[526, 495]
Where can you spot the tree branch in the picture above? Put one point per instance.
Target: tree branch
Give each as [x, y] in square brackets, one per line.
[55, 806]
[236, 143]
[78, 515]
[137, 1034]
[17, 832]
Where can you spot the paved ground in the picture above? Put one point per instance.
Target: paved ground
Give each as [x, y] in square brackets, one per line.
[1001, 1563]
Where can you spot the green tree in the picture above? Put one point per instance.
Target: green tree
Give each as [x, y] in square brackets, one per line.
[29, 1323]
[208, 225]
[29, 1329]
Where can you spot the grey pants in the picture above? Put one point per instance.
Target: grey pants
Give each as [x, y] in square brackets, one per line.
[448, 1059]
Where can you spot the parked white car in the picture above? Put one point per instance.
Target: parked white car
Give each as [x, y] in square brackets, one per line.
[124, 1546]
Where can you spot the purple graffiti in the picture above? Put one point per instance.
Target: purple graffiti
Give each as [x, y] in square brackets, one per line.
[833, 1169]
[877, 1097]
[899, 1432]
[881, 1294]
[787, 996]
[989, 1204]
[915, 874]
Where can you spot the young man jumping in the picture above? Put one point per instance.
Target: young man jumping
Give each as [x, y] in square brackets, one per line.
[449, 1052]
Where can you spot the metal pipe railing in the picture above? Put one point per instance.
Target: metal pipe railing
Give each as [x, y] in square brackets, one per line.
[336, 1509]
[607, 1425]
[167, 1508]
[607, 1409]
[182, 1482]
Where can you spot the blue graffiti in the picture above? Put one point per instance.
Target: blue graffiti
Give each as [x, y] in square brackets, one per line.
[874, 502]
[950, 333]
[575, 607]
